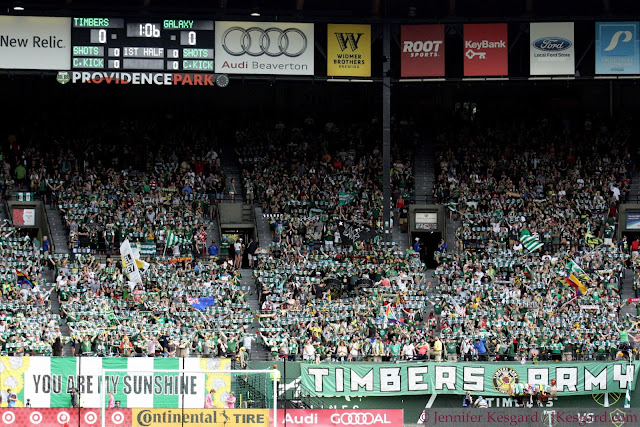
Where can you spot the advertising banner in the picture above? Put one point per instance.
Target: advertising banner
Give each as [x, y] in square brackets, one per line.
[35, 43]
[422, 50]
[552, 49]
[340, 417]
[24, 216]
[57, 417]
[633, 221]
[349, 50]
[485, 50]
[382, 379]
[617, 48]
[200, 417]
[45, 382]
[274, 48]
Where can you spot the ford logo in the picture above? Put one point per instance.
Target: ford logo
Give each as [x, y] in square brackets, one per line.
[552, 43]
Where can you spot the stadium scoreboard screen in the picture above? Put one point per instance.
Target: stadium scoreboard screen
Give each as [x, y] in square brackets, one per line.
[118, 44]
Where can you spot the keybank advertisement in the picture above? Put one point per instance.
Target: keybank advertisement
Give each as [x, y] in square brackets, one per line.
[617, 48]
[552, 49]
[364, 379]
[486, 50]
[349, 50]
[35, 43]
[275, 48]
[45, 382]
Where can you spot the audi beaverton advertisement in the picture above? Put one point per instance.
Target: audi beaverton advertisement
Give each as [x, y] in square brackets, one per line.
[264, 48]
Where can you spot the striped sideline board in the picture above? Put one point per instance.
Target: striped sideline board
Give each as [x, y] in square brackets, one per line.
[46, 381]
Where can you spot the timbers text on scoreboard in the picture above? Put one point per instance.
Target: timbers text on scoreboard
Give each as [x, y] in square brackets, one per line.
[142, 44]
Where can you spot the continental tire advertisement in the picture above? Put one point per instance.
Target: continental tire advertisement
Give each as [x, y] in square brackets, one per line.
[349, 50]
[200, 417]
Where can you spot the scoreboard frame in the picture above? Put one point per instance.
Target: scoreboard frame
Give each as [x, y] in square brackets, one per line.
[135, 44]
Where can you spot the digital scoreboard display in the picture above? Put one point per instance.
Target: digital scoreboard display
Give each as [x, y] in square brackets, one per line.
[118, 44]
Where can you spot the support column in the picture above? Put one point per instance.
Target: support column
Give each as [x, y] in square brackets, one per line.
[386, 130]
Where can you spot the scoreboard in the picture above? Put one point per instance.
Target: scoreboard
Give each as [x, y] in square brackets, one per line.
[118, 44]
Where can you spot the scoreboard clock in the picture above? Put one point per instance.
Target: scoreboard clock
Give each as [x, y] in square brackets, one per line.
[118, 44]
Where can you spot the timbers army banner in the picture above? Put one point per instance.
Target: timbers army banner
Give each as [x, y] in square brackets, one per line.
[46, 381]
[488, 379]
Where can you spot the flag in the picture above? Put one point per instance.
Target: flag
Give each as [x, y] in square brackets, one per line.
[352, 232]
[576, 284]
[23, 279]
[391, 317]
[627, 398]
[531, 242]
[462, 311]
[143, 266]
[573, 267]
[581, 287]
[129, 264]
[173, 240]
[345, 198]
[201, 303]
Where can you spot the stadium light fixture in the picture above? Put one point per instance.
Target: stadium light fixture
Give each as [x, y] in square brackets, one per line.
[18, 7]
[255, 13]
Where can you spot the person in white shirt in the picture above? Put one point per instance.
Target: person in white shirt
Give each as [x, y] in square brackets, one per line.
[237, 250]
[467, 350]
[308, 352]
[408, 350]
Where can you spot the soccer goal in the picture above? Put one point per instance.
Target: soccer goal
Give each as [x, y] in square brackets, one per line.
[188, 397]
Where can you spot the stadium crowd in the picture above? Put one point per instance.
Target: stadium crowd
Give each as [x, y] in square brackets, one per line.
[535, 274]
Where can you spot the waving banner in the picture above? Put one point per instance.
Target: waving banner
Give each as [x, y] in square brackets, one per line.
[351, 232]
[387, 379]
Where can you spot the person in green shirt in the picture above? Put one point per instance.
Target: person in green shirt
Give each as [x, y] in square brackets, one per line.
[394, 350]
[451, 348]
[86, 346]
[624, 337]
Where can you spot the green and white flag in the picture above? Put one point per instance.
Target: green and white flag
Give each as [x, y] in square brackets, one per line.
[531, 242]
[627, 399]
[173, 240]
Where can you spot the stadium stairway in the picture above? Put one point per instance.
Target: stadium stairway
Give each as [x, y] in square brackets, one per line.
[258, 351]
[627, 292]
[451, 226]
[424, 173]
[264, 232]
[59, 235]
[397, 236]
[231, 167]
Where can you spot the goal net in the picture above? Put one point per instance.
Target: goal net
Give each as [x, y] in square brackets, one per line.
[182, 397]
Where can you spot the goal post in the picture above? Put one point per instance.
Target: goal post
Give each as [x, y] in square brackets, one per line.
[182, 393]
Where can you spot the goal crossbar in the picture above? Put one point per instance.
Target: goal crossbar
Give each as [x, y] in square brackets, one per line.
[268, 372]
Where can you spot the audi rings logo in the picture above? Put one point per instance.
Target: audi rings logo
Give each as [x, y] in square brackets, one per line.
[255, 41]
[359, 419]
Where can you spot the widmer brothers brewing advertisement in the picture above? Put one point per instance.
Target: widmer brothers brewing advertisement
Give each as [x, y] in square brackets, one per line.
[349, 50]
